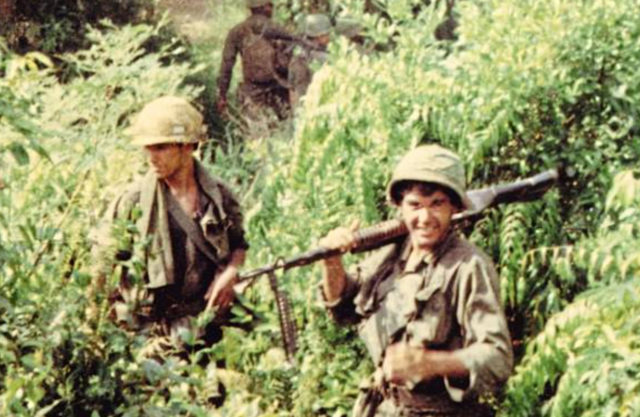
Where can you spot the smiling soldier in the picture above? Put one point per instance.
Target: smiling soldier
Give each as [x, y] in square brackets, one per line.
[427, 309]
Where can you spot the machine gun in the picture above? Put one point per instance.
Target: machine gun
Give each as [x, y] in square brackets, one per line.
[378, 235]
[384, 233]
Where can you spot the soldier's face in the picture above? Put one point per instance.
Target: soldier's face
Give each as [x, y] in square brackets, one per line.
[167, 159]
[427, 217]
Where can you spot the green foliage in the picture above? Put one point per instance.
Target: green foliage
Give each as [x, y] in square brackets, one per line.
[57, 26]
[559, 86]
[62, 152]
[592, 344]
[510, 107]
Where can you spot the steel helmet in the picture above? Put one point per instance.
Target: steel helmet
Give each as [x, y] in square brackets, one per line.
[167, 119]
[348, 26]
[317, 25]
[434, 164]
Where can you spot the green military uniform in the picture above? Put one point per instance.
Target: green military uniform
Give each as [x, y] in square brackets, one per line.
[180, 253]
[305, 60]
[183, 254]
[448, 301]
[301, 68]
[264, 85]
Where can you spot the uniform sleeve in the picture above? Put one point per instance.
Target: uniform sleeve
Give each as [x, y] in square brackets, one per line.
[229, 53]
[360, 286]
[299, 75]
[486, 349]
[274, 31]
[111, 240]
[342, 310]
[236, 232]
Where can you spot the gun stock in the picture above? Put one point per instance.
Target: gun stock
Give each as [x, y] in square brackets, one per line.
[386, 232]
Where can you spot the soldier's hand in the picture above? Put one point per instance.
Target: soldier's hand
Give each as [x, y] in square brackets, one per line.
[407, 365]
[220, 294]
[342, 238]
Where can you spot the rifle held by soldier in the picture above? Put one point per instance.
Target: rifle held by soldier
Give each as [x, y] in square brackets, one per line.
[373, 237]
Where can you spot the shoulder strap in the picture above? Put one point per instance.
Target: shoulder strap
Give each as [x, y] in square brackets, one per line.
[189, 227]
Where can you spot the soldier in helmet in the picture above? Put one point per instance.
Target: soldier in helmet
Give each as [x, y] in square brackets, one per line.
[317, 33]
[188, 230]
[264, 83]
[428, 309]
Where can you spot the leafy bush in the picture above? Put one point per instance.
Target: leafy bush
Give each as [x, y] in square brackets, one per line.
[592, 344]
[58, 26]
[593, 341]
[559, 86]
[62, 152]
[510, 107]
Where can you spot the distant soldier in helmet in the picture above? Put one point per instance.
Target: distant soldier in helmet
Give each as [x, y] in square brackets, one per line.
[317, 33]
[428, 309]
[187, 231]
[264, 83]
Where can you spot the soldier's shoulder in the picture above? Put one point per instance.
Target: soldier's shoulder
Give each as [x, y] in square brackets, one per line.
[127, 196]
[461, 251]
[299, 58]
[132, 190]
[225, 189]
[239, 28]
[209, 180]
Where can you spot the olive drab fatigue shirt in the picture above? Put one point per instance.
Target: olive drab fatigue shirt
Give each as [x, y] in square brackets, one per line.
[450, 301]
[177, 271]
[238, 40]
[300, 68]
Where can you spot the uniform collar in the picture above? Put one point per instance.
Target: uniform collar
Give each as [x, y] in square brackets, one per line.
[431, 257]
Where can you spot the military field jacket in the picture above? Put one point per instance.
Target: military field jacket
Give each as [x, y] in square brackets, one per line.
[300, 71]
[236, 38]
[174, 265]
[449, 302]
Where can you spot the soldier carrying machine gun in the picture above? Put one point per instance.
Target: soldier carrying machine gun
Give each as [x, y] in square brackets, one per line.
[392, 231]
[383, 233]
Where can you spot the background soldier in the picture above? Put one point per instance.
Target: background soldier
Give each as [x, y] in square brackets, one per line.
[428, 309]
[189, 233]
[317, 32]
[264, 77]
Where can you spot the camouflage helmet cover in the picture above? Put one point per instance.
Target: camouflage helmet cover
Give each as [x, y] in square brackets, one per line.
[434, 164]
[252, 4]
[317, 25]
[167, 119]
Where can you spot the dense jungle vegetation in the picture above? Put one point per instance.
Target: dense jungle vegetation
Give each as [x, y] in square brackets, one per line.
[528, 85]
